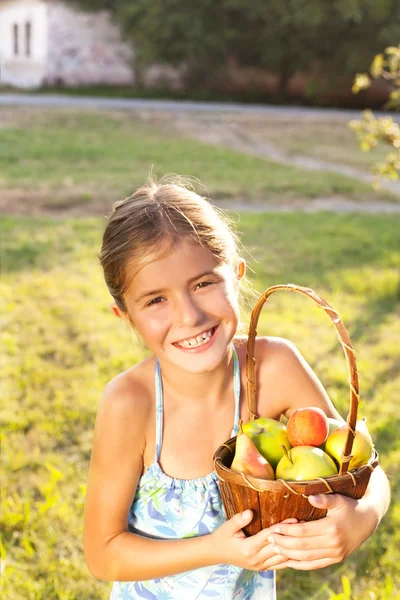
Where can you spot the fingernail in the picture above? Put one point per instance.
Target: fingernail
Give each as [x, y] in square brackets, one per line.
[277, 530]
[316, 499]
[271, 539]
[276, 549]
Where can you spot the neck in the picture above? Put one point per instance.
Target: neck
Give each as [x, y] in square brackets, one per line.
[198, 388]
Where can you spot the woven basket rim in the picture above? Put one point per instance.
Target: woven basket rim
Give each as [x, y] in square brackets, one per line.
[278, 484]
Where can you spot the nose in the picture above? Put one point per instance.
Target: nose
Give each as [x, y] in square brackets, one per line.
[188, 313]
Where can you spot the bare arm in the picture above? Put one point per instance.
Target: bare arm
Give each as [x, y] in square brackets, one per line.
[349, 522]
[112, 552]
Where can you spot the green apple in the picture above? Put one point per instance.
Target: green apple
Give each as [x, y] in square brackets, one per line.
[332, 425]
[362, 445]
[303, 463]
[268, 436]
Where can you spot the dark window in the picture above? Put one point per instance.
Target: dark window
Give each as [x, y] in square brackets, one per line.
[28, 36]
[15, 38]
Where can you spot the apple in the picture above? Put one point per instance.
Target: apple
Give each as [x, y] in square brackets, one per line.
[268, 436]
[362, 445]
[333, 424]
[307, 426]
[303, 463]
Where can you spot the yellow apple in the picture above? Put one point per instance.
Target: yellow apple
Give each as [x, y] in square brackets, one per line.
[303, 463]
[362, 446]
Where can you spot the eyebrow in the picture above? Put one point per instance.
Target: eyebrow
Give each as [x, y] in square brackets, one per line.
[161, 290]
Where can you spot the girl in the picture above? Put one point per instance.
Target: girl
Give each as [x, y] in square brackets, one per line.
[154, 521]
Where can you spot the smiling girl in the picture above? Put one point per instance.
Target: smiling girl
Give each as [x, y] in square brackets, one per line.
[154, 520]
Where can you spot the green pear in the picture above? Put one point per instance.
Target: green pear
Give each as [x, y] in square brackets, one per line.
[248, 460]
[268, 436]
[303, 463]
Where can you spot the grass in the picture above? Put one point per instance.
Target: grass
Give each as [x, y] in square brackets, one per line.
[61, 159]
[61, 344]
[321, 138]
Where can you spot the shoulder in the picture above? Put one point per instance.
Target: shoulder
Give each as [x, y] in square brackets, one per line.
[126, 402]
[284, 380]
[269, 352]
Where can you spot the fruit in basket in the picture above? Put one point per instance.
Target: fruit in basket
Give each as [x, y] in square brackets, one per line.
[362, 445]
[248, 460]
[303, 463]
[333, 424]
[268, 436]
[307, 426]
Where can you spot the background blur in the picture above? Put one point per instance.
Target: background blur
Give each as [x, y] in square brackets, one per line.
[262, 107]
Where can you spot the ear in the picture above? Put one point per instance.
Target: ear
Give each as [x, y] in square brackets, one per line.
[241, 268]
[117, 311]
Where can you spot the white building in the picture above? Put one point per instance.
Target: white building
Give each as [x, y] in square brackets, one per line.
[47, 42]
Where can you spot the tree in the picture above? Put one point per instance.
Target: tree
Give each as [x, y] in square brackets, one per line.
[281, 37]
[372, 131]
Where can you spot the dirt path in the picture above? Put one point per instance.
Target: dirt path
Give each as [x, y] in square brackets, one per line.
[242, 131]
[236, 134]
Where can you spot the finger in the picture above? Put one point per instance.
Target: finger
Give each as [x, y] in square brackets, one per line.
[287, 542]
[309, 565]
[238, 521]
[329, 501]
[299, 554]
[274, 563]
[302, 530]
[260, 539]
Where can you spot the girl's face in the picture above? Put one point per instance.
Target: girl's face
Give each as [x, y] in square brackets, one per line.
[185, 307]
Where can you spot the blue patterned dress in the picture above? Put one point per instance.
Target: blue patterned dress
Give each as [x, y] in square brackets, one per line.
[168, 508]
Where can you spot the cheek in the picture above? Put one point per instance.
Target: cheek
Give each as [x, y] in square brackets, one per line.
[151, 324]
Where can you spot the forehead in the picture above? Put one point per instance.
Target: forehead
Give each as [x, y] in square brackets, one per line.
[175, 265]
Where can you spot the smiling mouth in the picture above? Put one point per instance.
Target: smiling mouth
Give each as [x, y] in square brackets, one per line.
[197, 341]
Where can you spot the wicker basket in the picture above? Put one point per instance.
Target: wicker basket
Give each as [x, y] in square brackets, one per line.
[274, 501]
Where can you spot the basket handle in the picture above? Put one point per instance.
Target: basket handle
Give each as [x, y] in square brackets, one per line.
[344, 339]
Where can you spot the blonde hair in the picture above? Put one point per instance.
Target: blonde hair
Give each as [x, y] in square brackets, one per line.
[151, 222]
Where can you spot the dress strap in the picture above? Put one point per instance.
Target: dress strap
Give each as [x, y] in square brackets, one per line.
[159, 410]
[159, 402]
[236, 391]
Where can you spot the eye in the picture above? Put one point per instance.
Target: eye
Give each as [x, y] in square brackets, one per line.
[155, 301]
[203, 284]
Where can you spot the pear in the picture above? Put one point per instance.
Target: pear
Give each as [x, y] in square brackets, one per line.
[249, 461]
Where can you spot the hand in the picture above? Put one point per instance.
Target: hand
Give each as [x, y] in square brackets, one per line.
[317, 544]
[254, 553]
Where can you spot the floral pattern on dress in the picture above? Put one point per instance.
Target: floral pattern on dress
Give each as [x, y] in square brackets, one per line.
[168, 508]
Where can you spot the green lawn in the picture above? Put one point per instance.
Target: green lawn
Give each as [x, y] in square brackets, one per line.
[58, 159]
[61, 344]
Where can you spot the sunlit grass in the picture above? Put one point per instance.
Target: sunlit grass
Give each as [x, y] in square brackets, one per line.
[60, 344]
[70, 158]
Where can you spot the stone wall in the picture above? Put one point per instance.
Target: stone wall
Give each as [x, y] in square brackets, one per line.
[85, 49]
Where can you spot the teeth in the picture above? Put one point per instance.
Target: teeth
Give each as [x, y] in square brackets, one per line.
[197, 341]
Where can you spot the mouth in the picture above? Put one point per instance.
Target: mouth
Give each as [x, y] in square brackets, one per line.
[196, 342]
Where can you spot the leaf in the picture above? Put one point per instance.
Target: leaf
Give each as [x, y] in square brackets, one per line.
[165, 530]
[346, 587]
[154, 514]
[377, 66]
[203, 530]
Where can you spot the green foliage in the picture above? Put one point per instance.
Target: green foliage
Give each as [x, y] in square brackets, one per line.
[61, 344]
[282, 37]
[372, 131]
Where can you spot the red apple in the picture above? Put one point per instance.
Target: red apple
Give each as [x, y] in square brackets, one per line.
[307, 427]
